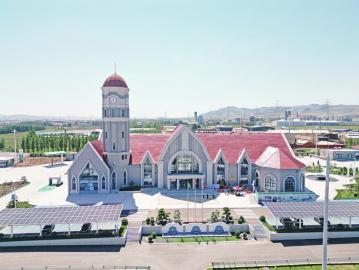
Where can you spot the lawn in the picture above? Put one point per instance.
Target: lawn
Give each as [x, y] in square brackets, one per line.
[212, 239]
[304, 267]
[9, 140]
[351, 191]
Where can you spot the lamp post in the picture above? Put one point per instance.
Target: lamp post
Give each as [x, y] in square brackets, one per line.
[14, 140]
[325, 221]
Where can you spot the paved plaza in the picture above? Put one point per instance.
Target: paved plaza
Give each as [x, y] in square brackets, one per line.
[168, 256]
[152, 198]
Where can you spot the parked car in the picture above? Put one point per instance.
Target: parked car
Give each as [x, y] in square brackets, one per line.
[286, 221]
[86, 227]
[321, 221]
[321, 177]
[239, 193]
[47, 229]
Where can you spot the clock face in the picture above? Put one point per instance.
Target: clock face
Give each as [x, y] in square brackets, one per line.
[113, 99]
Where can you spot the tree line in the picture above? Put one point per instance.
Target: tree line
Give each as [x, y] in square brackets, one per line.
[22, 127]
[2, 143]
[35, 144]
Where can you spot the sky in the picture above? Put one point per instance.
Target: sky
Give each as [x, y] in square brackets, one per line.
[177, 57]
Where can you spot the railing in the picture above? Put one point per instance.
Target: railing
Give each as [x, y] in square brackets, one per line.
[90, 267]
[292, 262]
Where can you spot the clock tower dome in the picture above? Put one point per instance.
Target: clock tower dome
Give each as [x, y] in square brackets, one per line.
[116, 116]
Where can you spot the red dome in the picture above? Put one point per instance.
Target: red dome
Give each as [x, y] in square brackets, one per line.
[115, 80]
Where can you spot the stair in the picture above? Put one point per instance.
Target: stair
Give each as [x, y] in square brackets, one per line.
[133, 234]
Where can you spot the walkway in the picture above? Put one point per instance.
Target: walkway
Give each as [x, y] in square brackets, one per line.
[135, 219]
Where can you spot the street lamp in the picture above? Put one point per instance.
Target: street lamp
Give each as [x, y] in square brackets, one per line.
[325, 221]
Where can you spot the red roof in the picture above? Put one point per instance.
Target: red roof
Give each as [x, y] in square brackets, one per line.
[98, 145]
[232, 146]
[115, 80]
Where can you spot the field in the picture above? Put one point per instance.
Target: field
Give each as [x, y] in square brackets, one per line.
[326, 127]
[9, 140]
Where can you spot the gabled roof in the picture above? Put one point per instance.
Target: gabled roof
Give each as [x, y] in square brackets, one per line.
[231, 145]
[276, 159]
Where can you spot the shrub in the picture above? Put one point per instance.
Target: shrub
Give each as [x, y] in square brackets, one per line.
[340, 227]
[238, 235]
[215, 216]
[148, 221]
[150, 239]
[1, 235]
[245, 236]
[124, 222]
[227, 216]
[154, 235]
[262, 218]
[241, 220]
[162, 217]
[152, 221]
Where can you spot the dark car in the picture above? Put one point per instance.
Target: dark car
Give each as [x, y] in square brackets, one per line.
[86, 227]
[321, 221]
[47, 229]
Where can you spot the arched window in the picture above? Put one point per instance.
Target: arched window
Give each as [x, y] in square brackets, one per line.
[103, 182]
[88, 179]
[147, 173]
[221, 170]
[270, 183]
[184, 163]
[289, 184]
[244, 168]
[73, 184]
[114, 180]
[125, 178]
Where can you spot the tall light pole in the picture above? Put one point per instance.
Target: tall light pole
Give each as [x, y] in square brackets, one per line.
[14, 140]
[325, 221]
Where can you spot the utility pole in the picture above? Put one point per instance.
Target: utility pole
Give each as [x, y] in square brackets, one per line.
[325, 221]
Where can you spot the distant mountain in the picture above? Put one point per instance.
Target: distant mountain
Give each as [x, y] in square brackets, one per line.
[278, 112]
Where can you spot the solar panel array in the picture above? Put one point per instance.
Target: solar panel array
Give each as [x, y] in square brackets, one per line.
[313, 209]
[60, 215]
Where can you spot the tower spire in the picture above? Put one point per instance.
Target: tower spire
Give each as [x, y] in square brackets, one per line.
[115, 67]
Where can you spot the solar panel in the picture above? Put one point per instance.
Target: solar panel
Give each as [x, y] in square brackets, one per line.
[60, 215]
[313, 209]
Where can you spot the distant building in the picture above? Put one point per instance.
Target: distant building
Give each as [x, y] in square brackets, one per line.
[252, 118]
[196, 117]
[200, 120]
[340, 154]
[302, 123]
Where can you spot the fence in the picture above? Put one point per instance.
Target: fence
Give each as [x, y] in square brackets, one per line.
[70, 267]
[294, 262]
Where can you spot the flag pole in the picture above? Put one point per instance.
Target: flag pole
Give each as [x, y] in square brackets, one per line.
[187, 201]
[195, 200]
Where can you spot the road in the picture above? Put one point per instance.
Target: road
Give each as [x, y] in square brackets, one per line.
[168, 256]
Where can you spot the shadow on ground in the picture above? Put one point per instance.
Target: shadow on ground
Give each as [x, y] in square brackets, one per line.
[318, 242]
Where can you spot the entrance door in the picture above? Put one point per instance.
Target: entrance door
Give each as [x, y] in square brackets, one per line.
[185, 183]
[173, 184]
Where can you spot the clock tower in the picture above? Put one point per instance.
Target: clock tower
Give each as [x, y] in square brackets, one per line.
[116, 138]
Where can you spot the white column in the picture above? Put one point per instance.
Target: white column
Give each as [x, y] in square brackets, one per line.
[11, 231]
[40, 226]
[177, 183]
[69, 229]
[209, 173]
[202, 182]
[97, 227]
[168, 184]
[350, 222]
[160, 174]
[193, 183]
[276, 223]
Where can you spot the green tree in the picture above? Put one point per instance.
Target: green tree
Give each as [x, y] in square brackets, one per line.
[227, 215]
[215, 216]
[162, 217]
[177, 216]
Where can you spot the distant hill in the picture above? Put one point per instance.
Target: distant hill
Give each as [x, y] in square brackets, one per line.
[25, 117]
[275, 112]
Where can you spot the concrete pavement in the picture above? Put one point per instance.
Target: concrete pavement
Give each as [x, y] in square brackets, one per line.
[169, 256]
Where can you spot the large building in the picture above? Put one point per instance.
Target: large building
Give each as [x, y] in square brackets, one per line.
[181, 159]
